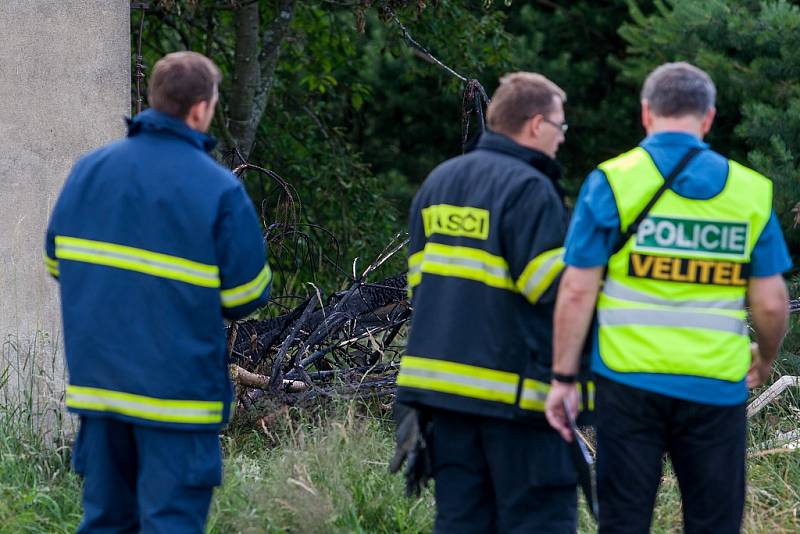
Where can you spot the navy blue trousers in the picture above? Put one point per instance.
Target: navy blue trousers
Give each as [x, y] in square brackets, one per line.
[144, 479]
[494, 475]
[706, 444]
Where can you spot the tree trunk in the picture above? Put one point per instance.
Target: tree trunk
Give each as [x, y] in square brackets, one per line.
[254, 69]
[246, 73]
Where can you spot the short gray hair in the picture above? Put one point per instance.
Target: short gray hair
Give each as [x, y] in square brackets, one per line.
[679, 89]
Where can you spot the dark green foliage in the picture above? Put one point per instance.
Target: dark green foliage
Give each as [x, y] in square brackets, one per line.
[356, 119]
[348, 120]
[413, 120]
[752, 51]
[304, 136]
[414, 116]
[576, 44]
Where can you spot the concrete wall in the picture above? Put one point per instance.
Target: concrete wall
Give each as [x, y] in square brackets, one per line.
[64, 89]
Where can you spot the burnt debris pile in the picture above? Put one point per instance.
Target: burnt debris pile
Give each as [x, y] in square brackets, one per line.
[340, 345]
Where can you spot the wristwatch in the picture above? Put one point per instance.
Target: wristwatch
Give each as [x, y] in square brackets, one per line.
[564, 379]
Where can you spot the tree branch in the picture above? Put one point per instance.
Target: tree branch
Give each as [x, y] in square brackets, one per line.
[253, 380]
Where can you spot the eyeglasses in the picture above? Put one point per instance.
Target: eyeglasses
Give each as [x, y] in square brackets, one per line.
[563, 126]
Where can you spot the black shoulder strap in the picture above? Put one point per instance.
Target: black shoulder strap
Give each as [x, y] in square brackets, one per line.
[634, 226]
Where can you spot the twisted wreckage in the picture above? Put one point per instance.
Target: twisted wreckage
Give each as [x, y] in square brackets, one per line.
[347, 345]
[341, 345]
[344, 345]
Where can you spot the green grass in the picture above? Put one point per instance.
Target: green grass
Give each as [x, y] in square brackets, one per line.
[38, 492]
[326, 471]
[322, 473]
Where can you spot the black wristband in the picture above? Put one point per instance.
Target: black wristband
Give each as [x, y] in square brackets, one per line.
[564, 379]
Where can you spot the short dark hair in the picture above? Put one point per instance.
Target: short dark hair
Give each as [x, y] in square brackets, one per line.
[520, 96]
[181, 80]
[679, 89]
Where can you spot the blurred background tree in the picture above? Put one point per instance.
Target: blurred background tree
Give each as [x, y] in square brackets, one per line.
[327, 94]
[751, 49]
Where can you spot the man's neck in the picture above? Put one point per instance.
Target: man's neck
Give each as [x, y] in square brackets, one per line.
[688, 125]
[193, 124]
[526, 142]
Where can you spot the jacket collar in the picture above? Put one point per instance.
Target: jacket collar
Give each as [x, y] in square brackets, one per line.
[151, 120]
[673, 138]
[497, 142]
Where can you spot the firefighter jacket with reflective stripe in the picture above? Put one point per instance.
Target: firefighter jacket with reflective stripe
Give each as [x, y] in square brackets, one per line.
[153, 243]
[486, 232]
[674, 298]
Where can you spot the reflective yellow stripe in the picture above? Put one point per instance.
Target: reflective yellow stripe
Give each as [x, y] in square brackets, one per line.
[458, 379]
[149, 408]
[414, 276]
[540, 273]
[414, 279]
[50, 262]
[534, 394]
[619, 291]
[136, 259]
[51, 265]
[415, 259]
[248, 292]
[468, 263]
[612, 317]
[586, 391]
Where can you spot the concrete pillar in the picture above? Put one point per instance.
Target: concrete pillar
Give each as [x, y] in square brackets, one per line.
[64, 89]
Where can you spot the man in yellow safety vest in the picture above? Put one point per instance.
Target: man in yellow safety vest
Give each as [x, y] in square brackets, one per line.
[684, 236]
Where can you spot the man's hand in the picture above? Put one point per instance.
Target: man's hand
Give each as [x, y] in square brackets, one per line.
[572, 319]
[554, 407]
[412, 436]
[769, 308]
[759, 368]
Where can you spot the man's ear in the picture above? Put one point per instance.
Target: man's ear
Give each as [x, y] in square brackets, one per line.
[197, 111]
[647, 115]
[533, 125]
[708, 120]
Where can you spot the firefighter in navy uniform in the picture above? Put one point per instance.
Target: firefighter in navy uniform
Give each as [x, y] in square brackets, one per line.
[486, 235]
[153, 243]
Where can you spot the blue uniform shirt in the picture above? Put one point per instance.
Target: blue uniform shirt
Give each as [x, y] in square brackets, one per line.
[595, 229]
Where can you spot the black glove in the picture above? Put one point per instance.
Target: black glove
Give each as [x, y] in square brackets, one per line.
[411, 436]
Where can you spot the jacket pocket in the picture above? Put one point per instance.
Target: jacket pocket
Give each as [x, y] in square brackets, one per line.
[204, 469]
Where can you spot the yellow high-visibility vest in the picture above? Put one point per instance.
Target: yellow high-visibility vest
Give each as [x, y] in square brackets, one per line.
[674, 297]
